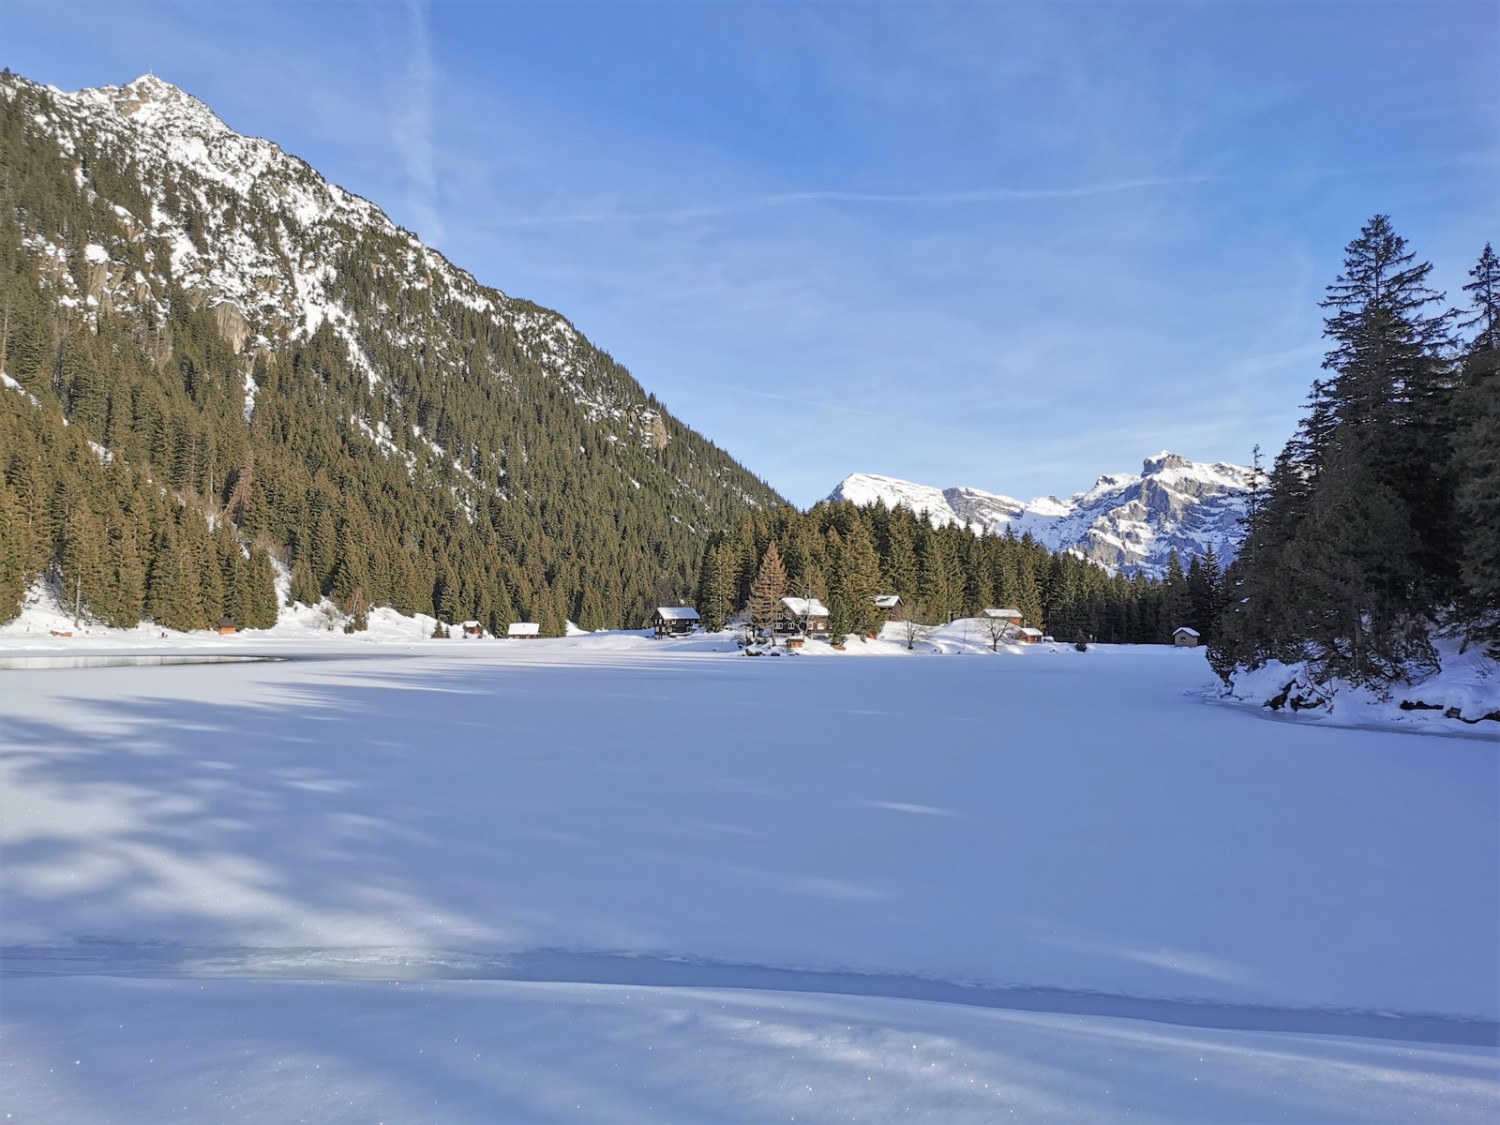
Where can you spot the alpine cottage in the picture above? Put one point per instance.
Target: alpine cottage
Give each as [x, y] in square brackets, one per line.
[802, 614]
[674, 620]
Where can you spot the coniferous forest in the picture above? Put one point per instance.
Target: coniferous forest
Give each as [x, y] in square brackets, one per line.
[845, 555]
[1380, 522]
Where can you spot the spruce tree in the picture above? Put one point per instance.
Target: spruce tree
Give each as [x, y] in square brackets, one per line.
[1390, 396]
[1354, 547]
[838, 619]
[258, 602]
[767, 590]
[1476, 451]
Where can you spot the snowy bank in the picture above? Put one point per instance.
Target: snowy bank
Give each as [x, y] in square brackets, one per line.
[1464, 692]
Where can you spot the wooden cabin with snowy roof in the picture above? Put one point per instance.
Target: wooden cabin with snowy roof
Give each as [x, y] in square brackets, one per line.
[1003, 614]
[1183, 637]
[674, 620]
[524, 631]
[799, 615]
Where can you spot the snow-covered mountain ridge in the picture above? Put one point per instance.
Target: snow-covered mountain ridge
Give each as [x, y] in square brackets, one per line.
[1126, 521]
[276, 252]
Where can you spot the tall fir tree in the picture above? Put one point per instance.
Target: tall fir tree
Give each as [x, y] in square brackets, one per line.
[767, 590]
[1476, 451]
[1355, 549]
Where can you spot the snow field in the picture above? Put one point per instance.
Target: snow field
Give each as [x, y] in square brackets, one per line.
[1040, 819]
[103, 1049]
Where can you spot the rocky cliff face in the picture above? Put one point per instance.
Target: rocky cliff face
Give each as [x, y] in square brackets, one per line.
[1126, 522]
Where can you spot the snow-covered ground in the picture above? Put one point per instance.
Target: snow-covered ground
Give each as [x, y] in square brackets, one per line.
[613, 878]
[1464, 691]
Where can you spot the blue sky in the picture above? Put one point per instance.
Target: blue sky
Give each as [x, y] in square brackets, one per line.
[1010, 246]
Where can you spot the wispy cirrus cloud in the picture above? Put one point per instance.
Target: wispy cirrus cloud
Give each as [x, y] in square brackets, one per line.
[969, 198]
[413, 126]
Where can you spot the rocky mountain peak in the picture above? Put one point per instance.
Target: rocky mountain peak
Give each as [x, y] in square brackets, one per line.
[158, 104]
[1124, 522]
[1151, 466]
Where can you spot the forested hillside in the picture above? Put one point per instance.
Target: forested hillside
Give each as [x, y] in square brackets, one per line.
[1381, 522]
[214, 358]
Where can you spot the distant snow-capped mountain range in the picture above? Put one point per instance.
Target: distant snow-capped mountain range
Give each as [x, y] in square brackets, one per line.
[1126, 522]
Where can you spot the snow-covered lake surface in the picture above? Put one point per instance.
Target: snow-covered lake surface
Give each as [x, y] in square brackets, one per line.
[615, 879]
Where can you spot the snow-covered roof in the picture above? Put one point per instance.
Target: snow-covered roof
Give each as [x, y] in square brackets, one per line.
[677, 612]
[805, 607]
[524, 629]
[1185, 629]
[471, 624]
[1002, 613]
[1029, 632]
[887, 601]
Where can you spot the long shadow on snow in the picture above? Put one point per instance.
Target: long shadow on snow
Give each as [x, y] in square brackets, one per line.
[211, 837]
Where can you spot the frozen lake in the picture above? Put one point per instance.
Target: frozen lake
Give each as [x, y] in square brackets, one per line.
[1077, 836]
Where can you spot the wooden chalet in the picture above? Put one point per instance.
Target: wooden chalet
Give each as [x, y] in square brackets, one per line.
[674, 620]
[1011, 615]
[1184, 637]
[1027, 636]
[523, 631]
[227, 627]
[888, 604]
[473, 629]
[798, 615]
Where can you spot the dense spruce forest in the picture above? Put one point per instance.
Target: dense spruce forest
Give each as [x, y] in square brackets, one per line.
[845, 554]
[1380, 524]
[431, 445]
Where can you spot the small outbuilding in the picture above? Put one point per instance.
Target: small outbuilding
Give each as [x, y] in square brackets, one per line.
[1028, 636]
[473, 629]
[227, 627]
[1186, 638]
[674, 620]
[802, 615]
[888, 604]
[523, 631]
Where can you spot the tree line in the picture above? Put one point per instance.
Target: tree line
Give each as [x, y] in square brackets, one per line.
[1380, 521]
[845, 555]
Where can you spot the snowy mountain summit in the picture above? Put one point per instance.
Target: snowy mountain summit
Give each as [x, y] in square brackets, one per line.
[277, 252]
[1125, 522]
